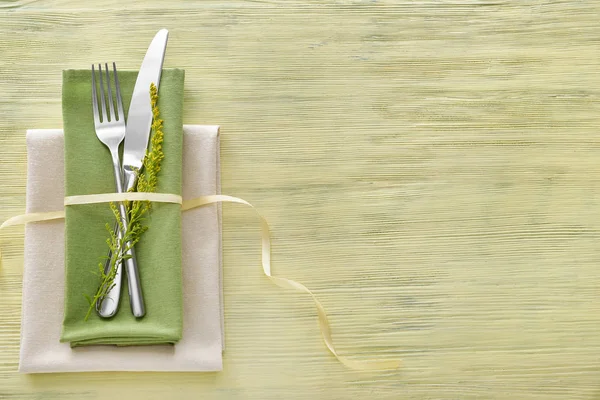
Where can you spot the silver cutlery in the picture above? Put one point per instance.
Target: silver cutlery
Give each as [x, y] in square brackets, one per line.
[136, 143]
[110, 129]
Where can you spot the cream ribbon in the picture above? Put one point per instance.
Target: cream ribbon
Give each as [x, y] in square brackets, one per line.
[266, 253]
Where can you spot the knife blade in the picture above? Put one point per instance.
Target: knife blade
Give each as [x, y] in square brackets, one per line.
[137, 135]
[139, 117]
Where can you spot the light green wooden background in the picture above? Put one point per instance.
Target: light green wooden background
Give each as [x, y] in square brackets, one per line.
[429, 168]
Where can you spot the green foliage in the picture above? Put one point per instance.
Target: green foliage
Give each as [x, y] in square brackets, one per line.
[146, 182]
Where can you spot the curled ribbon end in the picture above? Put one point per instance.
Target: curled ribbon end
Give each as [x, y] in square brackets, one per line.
[291, 284]
[384, 365]
[372, 365]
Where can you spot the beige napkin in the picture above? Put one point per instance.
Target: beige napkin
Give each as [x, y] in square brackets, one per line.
[201, 347]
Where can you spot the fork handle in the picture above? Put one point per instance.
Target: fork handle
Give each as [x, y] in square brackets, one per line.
[129, 262]
[109, 305]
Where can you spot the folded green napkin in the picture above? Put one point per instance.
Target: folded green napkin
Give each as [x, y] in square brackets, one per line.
[88, 170]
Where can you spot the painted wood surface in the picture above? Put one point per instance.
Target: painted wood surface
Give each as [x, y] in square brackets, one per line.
[429, 169]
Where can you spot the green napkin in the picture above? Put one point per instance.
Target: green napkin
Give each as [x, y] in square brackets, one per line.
[88, 170]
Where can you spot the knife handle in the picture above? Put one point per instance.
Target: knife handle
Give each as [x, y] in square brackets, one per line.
[110, 304]
[136, 298]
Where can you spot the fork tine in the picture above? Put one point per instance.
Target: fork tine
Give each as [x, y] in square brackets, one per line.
[102, 102]
[110, 100]
[120, 113]
[95, 98]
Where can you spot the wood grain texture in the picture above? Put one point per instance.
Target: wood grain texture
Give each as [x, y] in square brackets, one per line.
[428, 168]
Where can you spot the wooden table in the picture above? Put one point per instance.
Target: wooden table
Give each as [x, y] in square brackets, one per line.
[429, 169]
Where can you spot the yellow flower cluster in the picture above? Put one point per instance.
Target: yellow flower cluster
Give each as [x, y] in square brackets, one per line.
[146, 182]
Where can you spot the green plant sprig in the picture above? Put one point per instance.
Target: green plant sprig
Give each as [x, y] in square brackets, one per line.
[136, 210]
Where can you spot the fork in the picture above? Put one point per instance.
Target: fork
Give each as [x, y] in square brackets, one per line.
[110, 130]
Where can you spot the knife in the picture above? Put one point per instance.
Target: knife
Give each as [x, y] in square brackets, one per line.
[139, 121]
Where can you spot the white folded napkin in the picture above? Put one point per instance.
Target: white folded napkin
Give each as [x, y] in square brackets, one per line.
[201, 347]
